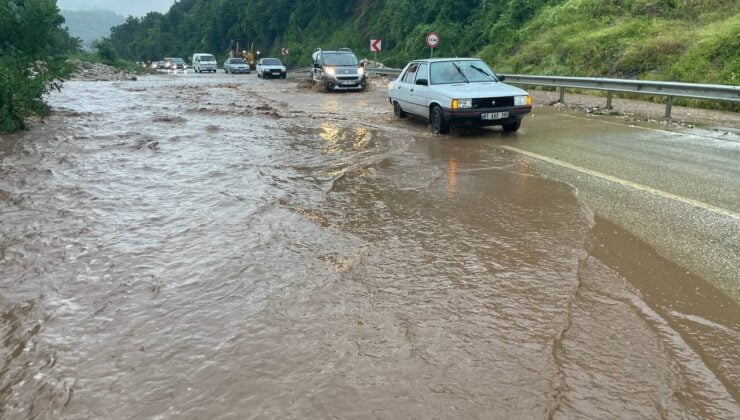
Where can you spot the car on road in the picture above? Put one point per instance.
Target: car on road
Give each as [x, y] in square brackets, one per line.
[458, 91]
[271, 67]
[204, 62]
[236, 65]
[337, 70]
[158, 65]
[174, 63]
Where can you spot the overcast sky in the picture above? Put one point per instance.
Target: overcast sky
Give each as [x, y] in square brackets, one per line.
[123, 7]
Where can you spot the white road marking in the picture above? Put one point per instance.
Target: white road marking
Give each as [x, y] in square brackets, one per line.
[624, 182]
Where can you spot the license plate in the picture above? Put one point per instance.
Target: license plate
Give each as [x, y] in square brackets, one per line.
[494, 115]
[346, 83]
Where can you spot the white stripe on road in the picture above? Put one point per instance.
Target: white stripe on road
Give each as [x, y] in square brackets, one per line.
[626, 183]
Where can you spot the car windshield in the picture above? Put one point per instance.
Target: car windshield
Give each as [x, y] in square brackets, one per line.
[236, 61]
[463, 71]
[178, 61]
[271, 62]
[339, 59]
[207, 58]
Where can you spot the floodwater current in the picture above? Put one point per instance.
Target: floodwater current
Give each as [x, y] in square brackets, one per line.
[214, 247]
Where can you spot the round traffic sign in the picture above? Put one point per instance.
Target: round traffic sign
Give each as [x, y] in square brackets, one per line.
[433, 40]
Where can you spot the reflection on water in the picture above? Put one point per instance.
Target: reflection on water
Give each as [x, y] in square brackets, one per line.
[452, 177]
[339, 138]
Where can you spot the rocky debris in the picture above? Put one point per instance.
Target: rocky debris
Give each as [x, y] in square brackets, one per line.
[169, 119]
[99, 72]
[628, 116]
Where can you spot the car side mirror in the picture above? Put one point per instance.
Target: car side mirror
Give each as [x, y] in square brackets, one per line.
[501, 78]
[422, 82]
[317, 66]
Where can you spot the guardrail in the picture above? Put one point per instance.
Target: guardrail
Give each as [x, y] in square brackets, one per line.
[720, 93]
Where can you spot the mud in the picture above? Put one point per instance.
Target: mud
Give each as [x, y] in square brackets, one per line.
[201, 258]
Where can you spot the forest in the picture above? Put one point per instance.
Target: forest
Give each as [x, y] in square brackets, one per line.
[682, 40]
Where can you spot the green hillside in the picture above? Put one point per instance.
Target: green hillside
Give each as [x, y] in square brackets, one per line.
[684, 40]
[91, 25]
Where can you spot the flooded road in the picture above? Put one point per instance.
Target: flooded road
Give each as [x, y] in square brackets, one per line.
[230, 247]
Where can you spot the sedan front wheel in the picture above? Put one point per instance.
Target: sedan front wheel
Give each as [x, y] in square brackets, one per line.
[512, 127]
[439, 124]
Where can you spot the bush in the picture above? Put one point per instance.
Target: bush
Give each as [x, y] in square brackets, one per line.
[106, 52]
[32, 58]
[21, 92]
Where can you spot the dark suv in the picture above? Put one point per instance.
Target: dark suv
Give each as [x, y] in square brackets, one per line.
[337, 70]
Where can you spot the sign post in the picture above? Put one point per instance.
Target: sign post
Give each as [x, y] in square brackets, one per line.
[284, 51]
[433, 39]
[376, 46]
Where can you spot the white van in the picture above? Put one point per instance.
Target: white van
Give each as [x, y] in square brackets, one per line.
[204, 62]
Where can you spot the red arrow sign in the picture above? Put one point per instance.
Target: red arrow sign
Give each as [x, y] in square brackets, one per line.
[376, 45]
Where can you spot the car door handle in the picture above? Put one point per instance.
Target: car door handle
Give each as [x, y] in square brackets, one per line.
[412, 90]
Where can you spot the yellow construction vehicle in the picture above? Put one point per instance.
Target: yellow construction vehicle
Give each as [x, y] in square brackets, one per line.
[250, 56]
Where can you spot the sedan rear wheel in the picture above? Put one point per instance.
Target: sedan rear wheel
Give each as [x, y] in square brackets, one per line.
[439, 124]
[397, 111]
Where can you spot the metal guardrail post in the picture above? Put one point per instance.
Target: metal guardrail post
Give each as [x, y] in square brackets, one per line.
[668, 106]
[609, 100]
[562, 95]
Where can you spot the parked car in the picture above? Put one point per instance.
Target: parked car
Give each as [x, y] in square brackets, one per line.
[458, 91]
[236, 65]
[174, 63]
[204, 62]
[271, 67]
[337, 70]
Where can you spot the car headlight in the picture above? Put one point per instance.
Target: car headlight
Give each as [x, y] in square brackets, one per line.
[330, 71]
[361, 71]
[462, 103]
[524, 100]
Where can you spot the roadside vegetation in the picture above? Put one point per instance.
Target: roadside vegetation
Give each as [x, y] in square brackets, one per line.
[33, 53]
[680, 40]
[37, 54]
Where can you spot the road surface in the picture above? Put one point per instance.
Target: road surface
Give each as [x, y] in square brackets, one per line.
[214, 246]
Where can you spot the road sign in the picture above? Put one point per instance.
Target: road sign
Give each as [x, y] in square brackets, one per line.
[284, 51]
[433, 40]
[376, 45]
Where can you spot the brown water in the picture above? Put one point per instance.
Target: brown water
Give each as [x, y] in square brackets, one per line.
[200, 248]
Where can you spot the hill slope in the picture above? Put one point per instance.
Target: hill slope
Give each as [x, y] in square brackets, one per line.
[686, 40]
[90, 25]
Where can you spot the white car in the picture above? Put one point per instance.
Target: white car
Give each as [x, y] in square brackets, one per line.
[204, 62]
[271, 67]
[236, 65]
[457, 91]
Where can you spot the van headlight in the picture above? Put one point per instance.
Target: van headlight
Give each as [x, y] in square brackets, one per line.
[524, 100]
[462, 103]
[330, 71]
[361, 71]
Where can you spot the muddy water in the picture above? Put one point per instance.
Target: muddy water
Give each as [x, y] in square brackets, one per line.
[196, 247]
